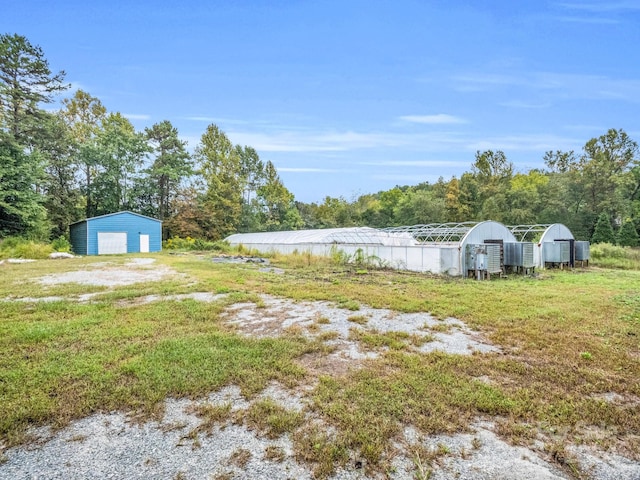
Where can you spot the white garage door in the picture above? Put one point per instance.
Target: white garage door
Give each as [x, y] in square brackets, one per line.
[112, 242]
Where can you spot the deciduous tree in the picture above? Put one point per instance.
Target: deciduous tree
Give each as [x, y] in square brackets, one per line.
[21, 210]
[84, 115]
[120, 152]
[278, 210]
[219, 164]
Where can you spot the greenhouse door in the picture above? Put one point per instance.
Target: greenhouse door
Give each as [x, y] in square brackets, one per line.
[144, 243]
[112, 242]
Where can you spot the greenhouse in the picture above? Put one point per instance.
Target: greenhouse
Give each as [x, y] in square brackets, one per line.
[453, 248]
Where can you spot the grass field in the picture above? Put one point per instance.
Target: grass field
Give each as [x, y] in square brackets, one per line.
[569, 340]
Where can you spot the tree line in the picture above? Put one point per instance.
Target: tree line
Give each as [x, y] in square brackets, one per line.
[82, 161]
[599, 185]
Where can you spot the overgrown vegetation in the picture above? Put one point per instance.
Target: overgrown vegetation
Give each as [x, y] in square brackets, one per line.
[613, 256]
[188, 244]
[15, 247]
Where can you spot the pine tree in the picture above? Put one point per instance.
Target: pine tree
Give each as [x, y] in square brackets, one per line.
[171, 165]
[26, 81]
[603, 232]
[627, 235]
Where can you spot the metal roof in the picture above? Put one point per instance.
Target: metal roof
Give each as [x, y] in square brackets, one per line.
[116, 213]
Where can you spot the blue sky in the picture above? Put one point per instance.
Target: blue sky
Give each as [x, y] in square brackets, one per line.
[352, 97]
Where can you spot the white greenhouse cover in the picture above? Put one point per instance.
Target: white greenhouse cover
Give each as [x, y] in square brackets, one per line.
[352, 235]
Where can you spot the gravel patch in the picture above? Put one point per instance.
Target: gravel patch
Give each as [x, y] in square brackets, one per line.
[206, 297]
[109, 445]
[476, 456]
[276, 315]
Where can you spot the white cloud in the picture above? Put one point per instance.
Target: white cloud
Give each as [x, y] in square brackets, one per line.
[406, 179]
[310, 170]
[136, 116]
[554, 85]
[601, 7]
[588, 20]
[438, 119]
[305, 141]
[525, 105]
[522, 143]
[415, 163]
[216, 120]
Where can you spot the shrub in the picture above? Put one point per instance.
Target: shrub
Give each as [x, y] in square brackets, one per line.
[177, 243]
[15, 247]
[61, 244]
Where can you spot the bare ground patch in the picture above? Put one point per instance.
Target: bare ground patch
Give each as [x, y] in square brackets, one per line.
[137, 270]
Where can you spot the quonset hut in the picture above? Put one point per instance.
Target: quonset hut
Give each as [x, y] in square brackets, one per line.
[452, 248]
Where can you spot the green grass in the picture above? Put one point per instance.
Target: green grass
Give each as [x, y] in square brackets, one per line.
[61, 361]
[566, 338]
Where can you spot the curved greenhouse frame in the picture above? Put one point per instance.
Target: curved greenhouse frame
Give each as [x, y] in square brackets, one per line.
[542, 234]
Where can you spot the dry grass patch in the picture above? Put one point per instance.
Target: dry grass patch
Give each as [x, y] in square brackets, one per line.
[394, 340]
[359, 319]
[211, 415]
[270, 419]
[274, 453]
[240, 457]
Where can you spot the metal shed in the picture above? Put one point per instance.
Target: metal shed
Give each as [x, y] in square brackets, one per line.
[121, 232]
[435, 248]
[552, 243]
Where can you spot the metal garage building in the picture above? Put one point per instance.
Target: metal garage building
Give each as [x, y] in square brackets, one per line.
[435, 248]
[121, 232]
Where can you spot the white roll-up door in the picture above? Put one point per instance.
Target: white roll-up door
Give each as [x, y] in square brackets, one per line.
[112, 242]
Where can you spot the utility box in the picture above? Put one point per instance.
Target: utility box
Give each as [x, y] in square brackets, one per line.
[583, 251]
[476, 257]
[556, 252]
[519, 254]
[494, 258]
[484, 258]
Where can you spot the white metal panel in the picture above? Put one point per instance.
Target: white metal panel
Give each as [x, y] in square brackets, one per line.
[144, 243]
[112, 242]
